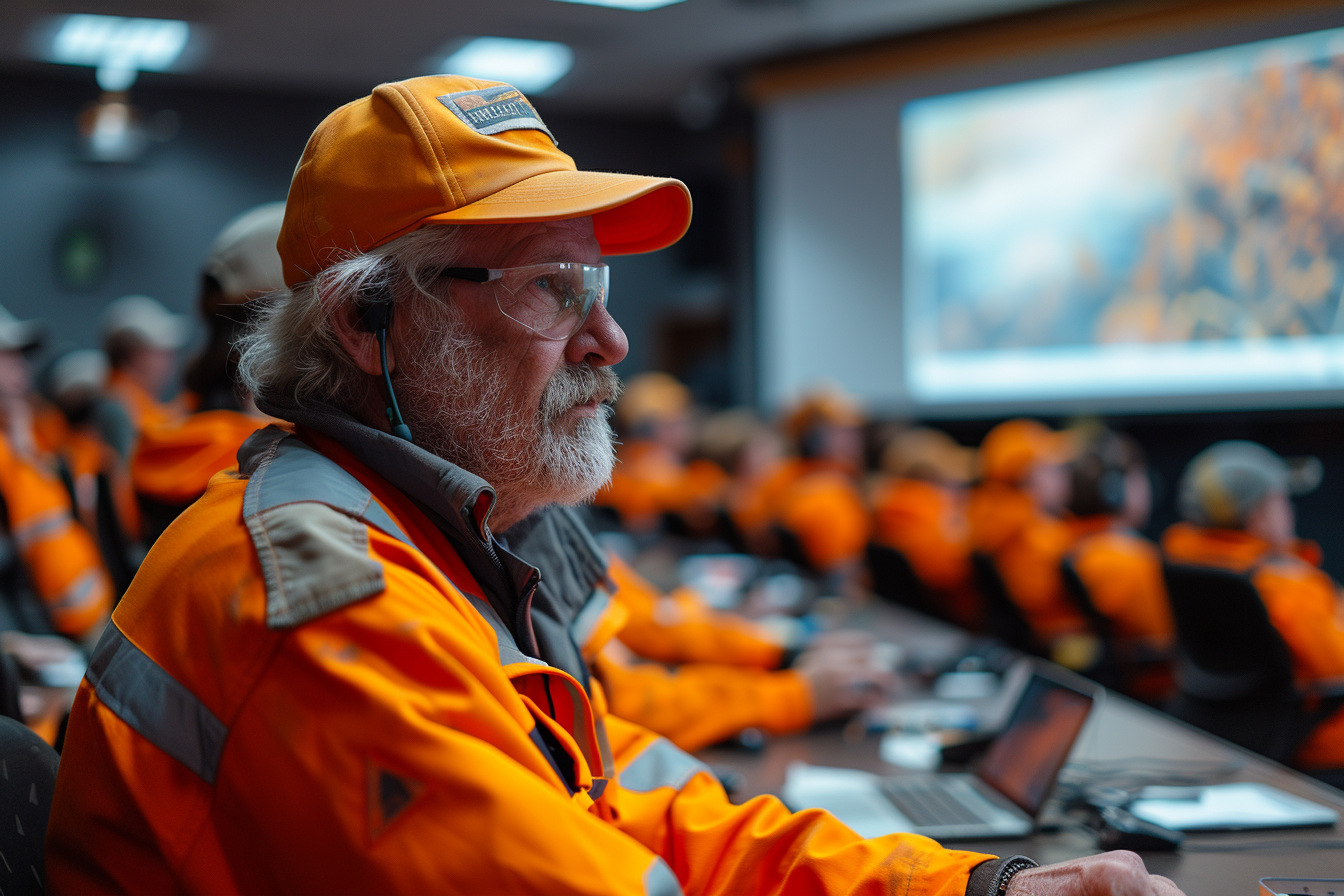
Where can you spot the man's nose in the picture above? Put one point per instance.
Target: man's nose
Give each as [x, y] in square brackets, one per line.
[600, 341]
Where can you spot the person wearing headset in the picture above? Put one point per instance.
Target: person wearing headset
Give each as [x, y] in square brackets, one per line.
[329, 674]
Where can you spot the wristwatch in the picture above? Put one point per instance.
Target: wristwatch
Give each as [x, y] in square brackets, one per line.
[1010, 870]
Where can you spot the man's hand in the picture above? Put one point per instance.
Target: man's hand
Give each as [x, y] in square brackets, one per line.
[844, 680]
[1118, 873]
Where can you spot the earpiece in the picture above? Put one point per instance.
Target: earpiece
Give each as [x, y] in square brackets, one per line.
[376, 318]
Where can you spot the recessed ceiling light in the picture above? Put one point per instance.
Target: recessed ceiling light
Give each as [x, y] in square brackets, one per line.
[529, 65]
[118, 47]
[637, 5]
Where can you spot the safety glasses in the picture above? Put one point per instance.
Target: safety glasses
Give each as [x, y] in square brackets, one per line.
[552, 300]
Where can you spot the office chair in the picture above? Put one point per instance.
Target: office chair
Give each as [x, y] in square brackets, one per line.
[894, 580]
[26, 790]
[1003, 619]
[1233, 670]
[1137, 669]
[1106, 669]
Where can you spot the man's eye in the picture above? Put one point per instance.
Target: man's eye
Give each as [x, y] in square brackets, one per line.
[542, 283]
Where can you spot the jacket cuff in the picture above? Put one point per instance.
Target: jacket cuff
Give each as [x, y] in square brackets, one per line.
[786, 702]
[985, 876]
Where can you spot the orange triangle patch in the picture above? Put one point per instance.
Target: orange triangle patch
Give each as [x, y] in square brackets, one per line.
[389, 795]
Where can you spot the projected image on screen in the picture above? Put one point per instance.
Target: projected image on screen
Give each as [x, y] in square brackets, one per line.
[1169, 227]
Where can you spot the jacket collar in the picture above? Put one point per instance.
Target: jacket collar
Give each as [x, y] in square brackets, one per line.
[458, 502]
[446, 489]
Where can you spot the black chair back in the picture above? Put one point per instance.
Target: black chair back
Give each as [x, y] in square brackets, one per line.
[1003, 619]
[1233, 670]
[894, 579]
[1105, 669]
[26, 789]
[1229, 650]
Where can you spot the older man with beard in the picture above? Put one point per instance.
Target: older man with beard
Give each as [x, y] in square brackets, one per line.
[329, 675]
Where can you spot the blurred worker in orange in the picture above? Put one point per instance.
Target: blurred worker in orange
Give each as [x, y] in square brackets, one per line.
[1235, 498]
[142, 339]
[811, 502]
[175, 459]
[50, 554]
[652, 475]
[919, 508]
[1016, 518]
[1111, 498]
[87, 425]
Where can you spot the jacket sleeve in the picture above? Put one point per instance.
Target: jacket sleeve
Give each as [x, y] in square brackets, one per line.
[59, 554]
[679, 627]
[700, 704]
[670, 802]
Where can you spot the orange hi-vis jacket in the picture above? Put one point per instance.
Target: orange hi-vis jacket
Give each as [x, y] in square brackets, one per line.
[678, 627]
[1030, 563]
[927, 523]
[58, 554]
[1303, 602]
[144, 409]
[325, 679]
[995, 512]
[649, 481]
[173, 462]
[694, 705]
[1122, 572]
[813, 499]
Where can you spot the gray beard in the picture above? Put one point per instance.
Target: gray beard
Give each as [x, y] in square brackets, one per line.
[460, 407]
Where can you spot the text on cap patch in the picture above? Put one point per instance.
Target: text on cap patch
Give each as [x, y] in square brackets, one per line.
[493, 110]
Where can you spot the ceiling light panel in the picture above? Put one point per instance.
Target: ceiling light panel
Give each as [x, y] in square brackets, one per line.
[150, 45]
[637, 5]
[530, 65]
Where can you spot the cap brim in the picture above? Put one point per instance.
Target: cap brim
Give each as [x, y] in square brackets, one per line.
[1304, 474]
[631, 213]
[21, 335]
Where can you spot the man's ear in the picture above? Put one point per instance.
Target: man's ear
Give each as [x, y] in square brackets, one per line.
[359, 343]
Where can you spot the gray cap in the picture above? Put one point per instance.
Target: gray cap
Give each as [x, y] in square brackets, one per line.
[244, 259]
[18, 335]
[1227, 481]
[146, 319]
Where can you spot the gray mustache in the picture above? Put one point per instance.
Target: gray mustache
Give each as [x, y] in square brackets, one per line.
[577, 385]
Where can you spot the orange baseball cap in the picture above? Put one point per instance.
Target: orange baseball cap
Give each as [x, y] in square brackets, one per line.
[451, 150]
[1012, 448]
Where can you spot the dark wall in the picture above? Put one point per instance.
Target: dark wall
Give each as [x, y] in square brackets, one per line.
[236, 148]
[1172, 440]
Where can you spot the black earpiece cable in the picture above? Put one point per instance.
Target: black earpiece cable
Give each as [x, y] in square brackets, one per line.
[376, 319]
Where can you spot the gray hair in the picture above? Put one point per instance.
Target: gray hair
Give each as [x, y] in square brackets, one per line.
[290, 354]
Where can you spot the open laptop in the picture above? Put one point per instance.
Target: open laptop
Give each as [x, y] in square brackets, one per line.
[1008, 788]
[1001, 799]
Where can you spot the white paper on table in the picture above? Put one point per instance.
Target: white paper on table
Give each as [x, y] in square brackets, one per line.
[855, 797]
[1232, 806]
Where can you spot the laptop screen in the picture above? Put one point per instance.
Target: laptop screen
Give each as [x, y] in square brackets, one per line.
[1026, 758]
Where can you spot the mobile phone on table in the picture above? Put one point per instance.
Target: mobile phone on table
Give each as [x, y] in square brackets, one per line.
[1284, 886]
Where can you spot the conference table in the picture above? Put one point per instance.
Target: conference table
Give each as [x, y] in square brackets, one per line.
[1121, 736]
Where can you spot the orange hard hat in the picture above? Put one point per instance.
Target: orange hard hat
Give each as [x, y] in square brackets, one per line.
[1012, 448]
[445, 149]
[651, 397]
[825, 406]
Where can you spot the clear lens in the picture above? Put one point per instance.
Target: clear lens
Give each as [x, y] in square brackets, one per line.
[552, 300]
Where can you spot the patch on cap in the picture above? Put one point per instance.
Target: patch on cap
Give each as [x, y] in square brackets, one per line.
[493, 110]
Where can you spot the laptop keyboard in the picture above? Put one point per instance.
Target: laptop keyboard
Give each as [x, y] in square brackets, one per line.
[927, 804]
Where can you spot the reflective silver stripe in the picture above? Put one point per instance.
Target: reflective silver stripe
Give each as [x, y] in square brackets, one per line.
[155, 704]
[660, 881]
[586, 621]
[83, 592]
[660, 765]
[48, 525]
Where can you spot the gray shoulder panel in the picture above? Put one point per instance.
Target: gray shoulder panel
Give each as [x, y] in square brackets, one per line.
[660, 764]
[314, 560]
[307, 518]
[155, 704]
